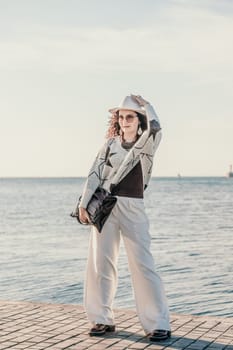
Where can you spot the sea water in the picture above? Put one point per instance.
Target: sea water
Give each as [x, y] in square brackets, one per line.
[43, 251]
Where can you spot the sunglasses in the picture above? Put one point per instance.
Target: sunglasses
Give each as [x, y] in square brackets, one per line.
[129, 118]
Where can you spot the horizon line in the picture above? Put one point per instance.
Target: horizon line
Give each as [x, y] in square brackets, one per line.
[80, 176]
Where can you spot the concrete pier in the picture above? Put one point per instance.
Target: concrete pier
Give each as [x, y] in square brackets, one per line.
[37, 326]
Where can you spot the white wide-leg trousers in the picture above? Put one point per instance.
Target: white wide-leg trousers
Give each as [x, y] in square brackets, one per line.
[128, 219]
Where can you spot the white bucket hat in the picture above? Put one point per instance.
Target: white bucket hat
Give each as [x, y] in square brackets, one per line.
[130, 104]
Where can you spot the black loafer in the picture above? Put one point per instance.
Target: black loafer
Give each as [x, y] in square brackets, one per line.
[101, 329]
[159, 334]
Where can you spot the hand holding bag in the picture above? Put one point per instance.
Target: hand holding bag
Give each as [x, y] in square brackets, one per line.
[99, 208]
[102, 202]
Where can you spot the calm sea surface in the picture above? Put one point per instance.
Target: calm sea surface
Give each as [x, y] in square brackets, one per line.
[43, 250]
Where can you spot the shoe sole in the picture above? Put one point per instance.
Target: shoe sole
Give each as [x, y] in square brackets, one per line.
[96, 334]
[160, 338]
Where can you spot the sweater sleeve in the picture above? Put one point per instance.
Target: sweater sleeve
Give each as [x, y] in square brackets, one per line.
[94, 178]
[154, 126]
[153, 123]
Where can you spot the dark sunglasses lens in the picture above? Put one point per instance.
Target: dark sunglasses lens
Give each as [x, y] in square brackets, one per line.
[129, 118]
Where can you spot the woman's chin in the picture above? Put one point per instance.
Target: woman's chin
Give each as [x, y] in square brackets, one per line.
[127, 130]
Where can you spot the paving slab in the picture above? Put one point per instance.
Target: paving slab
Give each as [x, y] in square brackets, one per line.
[38, 326]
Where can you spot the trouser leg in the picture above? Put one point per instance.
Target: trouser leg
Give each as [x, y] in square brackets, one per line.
[148, 288]
[101, 273]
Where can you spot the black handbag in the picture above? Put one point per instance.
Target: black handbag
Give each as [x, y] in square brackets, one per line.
[99, 208]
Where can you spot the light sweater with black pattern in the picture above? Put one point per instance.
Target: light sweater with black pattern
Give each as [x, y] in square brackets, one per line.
[113, 162]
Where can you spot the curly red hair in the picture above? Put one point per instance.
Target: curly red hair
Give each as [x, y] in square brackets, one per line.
[114, 127]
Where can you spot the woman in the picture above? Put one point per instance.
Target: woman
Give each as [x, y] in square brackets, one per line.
[132, 139]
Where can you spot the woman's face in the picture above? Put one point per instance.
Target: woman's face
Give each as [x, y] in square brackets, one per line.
[128, 121]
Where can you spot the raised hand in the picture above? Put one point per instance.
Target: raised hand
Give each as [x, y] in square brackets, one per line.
[140, 100]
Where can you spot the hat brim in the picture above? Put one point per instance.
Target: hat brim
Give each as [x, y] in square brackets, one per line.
[116, 109]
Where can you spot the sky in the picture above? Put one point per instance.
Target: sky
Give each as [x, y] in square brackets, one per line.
[64, 63]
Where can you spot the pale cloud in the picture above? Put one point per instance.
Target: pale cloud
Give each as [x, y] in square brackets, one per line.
[56, 73]
[186, 39]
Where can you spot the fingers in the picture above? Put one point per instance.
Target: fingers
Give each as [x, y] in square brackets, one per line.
[140, 100]
[88, 218]
[135, 97]
[84, 217]
[84, 220]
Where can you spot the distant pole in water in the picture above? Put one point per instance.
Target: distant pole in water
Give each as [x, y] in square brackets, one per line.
[230, 174]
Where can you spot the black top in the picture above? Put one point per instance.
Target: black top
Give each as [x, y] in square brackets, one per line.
[132, 184]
